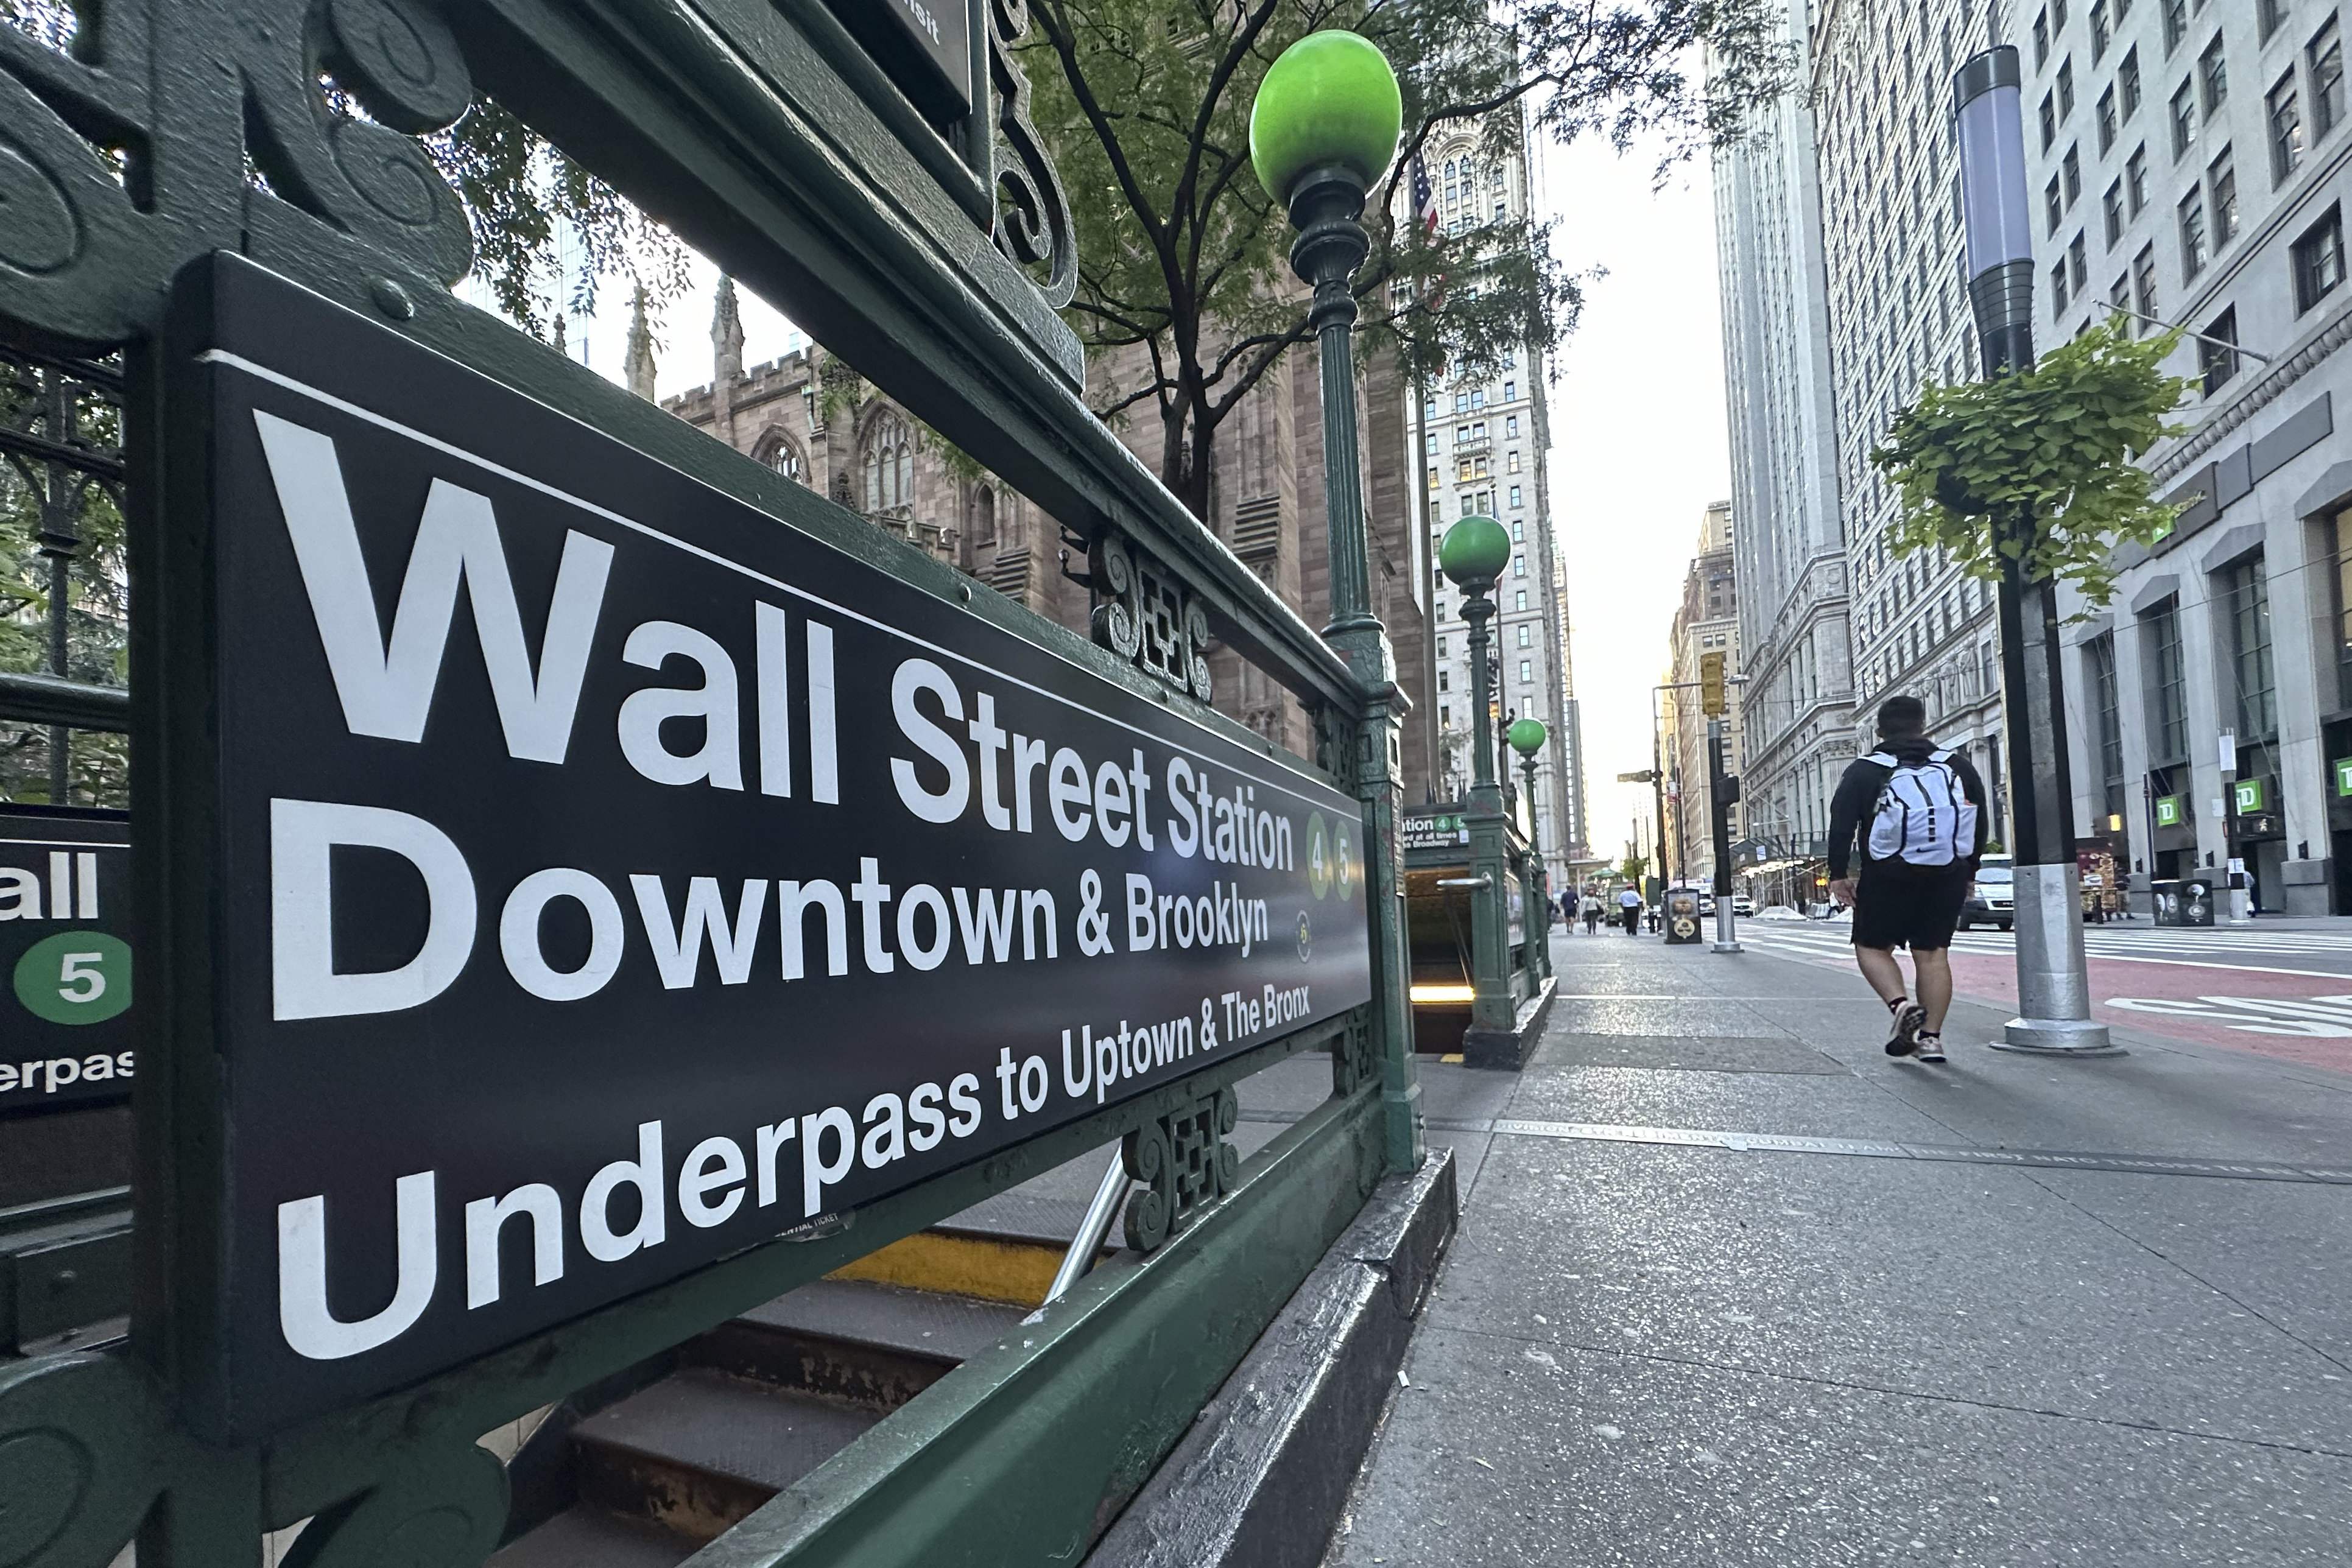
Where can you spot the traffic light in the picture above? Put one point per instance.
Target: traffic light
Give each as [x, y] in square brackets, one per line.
[1710, 686]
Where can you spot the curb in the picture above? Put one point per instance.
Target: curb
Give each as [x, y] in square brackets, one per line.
[1508, 1050]
[1261, 1478]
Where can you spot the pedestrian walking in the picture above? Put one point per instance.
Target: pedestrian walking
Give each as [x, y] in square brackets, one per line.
[1920, 809]
[1592, 910]
[1628, 904]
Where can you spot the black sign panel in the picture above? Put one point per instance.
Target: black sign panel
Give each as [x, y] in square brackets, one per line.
[64, 950]
[923, 45]
[609, 876]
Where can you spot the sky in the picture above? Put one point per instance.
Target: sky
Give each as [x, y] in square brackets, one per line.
[1637, 423]
[1639, 447]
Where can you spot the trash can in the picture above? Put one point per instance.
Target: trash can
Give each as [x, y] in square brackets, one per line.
[2196, 902]
[2166, 908]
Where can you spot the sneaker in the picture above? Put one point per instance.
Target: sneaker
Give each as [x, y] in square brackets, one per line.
[1931, 1050]
[1907, 1019]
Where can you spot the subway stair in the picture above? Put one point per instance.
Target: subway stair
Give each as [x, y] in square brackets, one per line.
[642, 1469]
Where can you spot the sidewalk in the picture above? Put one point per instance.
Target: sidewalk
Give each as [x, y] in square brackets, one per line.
[1646, 1352]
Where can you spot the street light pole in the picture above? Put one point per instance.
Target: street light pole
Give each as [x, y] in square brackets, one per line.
[1722, 791]
[1474, 551]
[1526, 736]
[1323, 131]
[2052, 980]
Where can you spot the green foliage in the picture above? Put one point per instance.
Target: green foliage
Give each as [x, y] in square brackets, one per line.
[1632, 869]
[1183, 256]
[2039, 468]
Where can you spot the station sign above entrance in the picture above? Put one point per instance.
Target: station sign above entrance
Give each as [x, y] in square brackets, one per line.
[601, 876]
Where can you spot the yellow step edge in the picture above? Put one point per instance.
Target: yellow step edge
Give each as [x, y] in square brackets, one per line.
[1020, 1273]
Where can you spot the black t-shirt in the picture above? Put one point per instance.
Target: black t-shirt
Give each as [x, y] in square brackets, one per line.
[1857, 796]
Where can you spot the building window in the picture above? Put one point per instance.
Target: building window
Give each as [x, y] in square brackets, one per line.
[2127, 83]
[2058, 300]
[2119, 292]
[2342, 576]
[2099, 658]
[2071, 168]
[1518, 532]
[2111, 211]
[2144, 285]
[1511, 425]
[2184, 119]
[2078, 267]
[785, 459]
[1510, 392]
[2053, 208]
[2041, 40]
[1515, 493]
[2106, 120]
[2213, 74]
[2101, 34]
[2284, 115]
[1522, 599]
[1527, 671]
[2176, 24]
[2162, 673]
[2136, 180]
[2245, 598]
[2222, 178]
[1444, 683]
[890, 463]
[2319, 261]
[1527, 635]
[2065, 88]
[2327, 57]
[2192, 232]
[2269, 14]
[2216, 352]
[1518, 566]
[2048, 120]
[1511, 461]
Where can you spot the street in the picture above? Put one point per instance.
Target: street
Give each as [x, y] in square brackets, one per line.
[2280, 989]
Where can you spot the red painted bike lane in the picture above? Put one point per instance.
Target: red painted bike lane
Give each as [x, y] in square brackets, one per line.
[2303, 1016]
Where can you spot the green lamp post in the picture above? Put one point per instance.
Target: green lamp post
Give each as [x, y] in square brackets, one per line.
[1323, 131]
[1473, 555]
[1526, 736]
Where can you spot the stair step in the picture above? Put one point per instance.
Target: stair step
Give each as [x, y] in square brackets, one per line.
[990, 1265]
[701, 1448]
[591, 1538]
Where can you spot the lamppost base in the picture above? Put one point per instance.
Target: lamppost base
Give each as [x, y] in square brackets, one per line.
[2057, 1037]
[1732, 947]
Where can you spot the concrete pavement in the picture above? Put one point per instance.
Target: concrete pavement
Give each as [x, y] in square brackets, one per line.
[2012, 1310]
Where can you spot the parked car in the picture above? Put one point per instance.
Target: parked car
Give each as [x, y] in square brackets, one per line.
[1742, 905]
[1993, 898]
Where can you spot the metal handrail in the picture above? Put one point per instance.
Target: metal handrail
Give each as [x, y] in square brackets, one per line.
[1088, 1244]
[53, 699]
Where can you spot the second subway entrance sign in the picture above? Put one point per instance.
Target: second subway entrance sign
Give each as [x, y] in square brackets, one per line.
[608, 877]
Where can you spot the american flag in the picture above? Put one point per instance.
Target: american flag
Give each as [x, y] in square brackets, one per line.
[1425, 198]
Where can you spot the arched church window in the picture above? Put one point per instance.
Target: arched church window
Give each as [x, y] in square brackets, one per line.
[783, 457]
[983, 516]
[889, 463]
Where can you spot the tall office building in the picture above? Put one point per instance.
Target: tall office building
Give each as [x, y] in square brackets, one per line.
[1788, 551]
[1898, 315]
[2191, 161]
[1484, 442]
[1706, 623]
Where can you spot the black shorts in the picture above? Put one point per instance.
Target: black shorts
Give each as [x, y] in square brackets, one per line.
[1908, 907]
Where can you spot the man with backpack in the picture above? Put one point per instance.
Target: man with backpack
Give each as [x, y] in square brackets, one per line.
[1921, 814]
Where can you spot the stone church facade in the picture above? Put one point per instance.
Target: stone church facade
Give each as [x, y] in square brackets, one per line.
[811, 418]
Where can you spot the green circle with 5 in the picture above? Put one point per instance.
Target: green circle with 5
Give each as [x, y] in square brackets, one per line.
[76, 976]
[1343, 856]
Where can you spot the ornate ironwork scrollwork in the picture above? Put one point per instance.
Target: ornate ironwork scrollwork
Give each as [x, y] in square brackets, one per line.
[123, 160]
[1354, 1063]
[1032, 216]
[1147, 616]
[1184, 1162]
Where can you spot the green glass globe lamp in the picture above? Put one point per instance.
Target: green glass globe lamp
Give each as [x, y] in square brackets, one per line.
[1526, 736]
[1330, 105]
[1473, 552]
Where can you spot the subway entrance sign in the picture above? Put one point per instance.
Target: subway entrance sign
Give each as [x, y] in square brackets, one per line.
[65, 955]
[584, 877]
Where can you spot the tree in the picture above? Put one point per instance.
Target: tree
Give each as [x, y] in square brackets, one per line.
[1632, 869]
[1146, 105]
[2039, 467]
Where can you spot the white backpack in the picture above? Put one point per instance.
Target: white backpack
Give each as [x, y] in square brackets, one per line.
[1923, 814]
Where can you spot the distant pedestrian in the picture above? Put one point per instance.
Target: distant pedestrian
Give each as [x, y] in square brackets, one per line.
[1591, 911]
[1628, 905]
[1920, 808]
